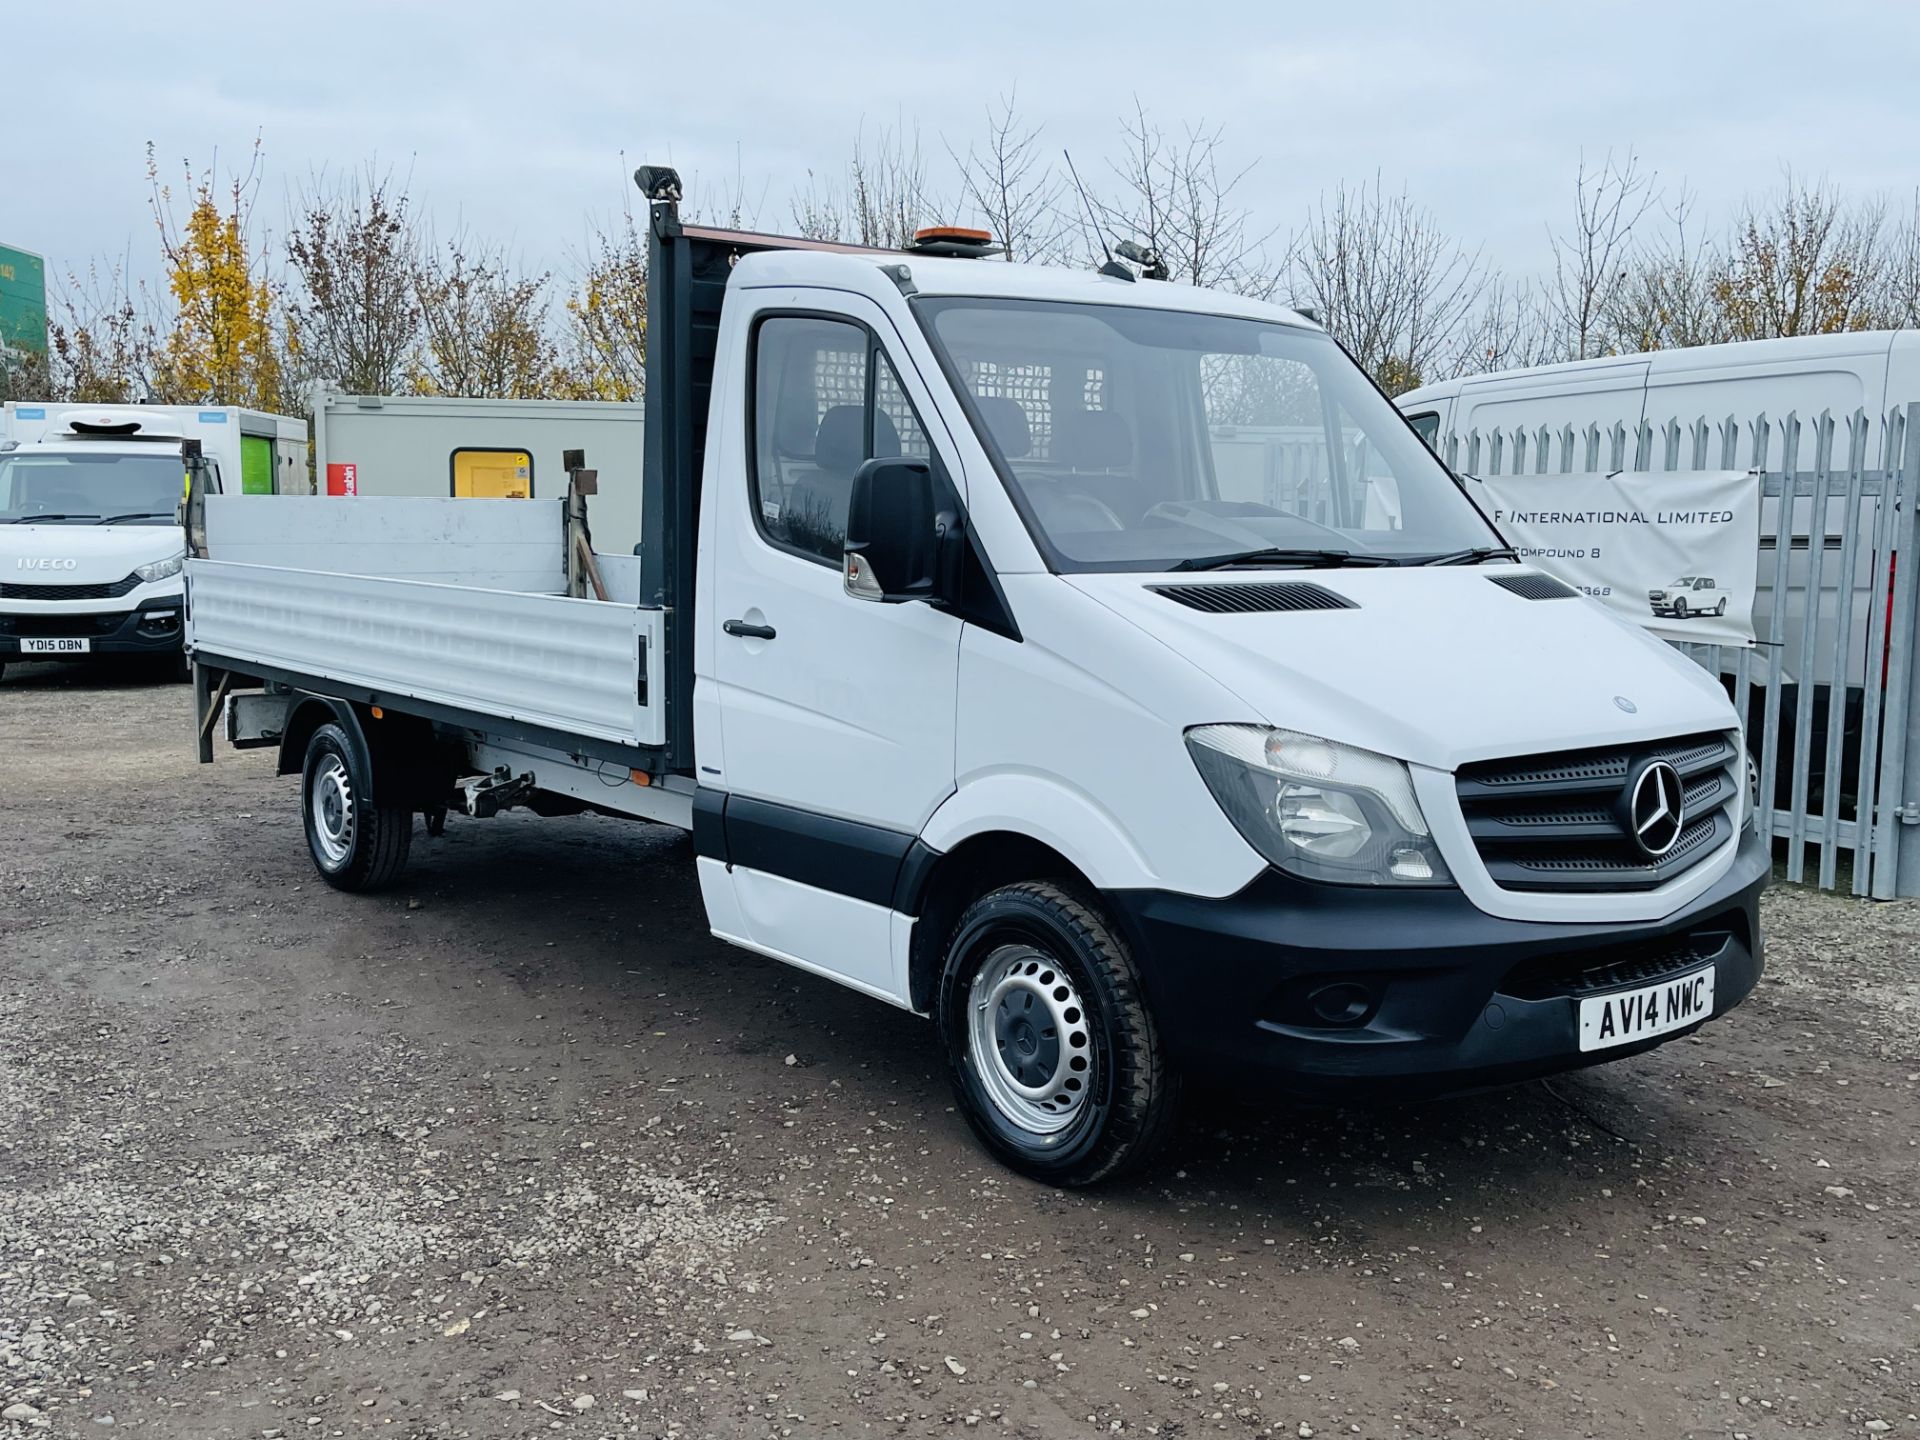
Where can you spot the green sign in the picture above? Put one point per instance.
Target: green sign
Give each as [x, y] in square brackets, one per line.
[23, 300]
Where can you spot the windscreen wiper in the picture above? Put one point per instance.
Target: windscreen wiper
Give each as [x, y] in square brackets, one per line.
[38, 519]
[135, 515]
[1474, 556]
[1281, 555]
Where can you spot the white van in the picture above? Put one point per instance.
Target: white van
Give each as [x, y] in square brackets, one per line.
[988, 689]
[1874, 371]
[90, 556]
[1871, 370]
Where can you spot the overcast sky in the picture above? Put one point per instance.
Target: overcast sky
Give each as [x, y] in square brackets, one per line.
[523, 120]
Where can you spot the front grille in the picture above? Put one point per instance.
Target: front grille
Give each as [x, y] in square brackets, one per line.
[111, 590]
[1623, 967]
[1257, 598]
[61, 627]
[1562, 822]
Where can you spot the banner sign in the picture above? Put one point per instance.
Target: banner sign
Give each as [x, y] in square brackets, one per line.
[1677, 552]
[343, 479]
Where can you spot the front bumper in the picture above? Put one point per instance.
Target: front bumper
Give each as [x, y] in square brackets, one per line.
[151, 628]
[1442, 997]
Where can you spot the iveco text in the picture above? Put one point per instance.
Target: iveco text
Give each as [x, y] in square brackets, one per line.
[1097, 666]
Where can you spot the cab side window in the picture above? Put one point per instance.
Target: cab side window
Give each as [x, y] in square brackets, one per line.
[825, 401]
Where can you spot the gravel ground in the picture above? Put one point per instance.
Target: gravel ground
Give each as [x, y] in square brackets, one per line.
[518, 1150]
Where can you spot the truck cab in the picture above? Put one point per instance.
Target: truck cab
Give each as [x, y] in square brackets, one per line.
[90, 550]
[1098, 666]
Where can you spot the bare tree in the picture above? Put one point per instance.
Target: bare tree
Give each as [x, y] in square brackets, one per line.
[1590, 259]
[1901, 302]
[1012, 184]
[817, 210]
[1388, 284]
[1666, 296]
[730, 208]
[355, 315]
[484, 325]
[102, 343]
[882, 198]
[1802, 262]
[1511, 330]
[1178, 195]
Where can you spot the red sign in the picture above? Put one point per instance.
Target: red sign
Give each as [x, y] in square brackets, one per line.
[343, 479]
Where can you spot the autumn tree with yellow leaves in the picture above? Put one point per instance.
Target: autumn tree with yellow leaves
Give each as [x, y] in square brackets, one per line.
[222, 344]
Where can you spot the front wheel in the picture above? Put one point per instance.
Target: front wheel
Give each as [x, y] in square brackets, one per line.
[356, 844]
[1053, 1054]
[1679, 609]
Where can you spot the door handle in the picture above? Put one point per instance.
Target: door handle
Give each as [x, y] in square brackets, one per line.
[747, 631]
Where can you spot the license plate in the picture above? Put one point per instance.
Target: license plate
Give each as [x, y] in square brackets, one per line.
[55, 647]
[1629, 1015]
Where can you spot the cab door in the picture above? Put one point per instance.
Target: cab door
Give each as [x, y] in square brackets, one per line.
[836, 713]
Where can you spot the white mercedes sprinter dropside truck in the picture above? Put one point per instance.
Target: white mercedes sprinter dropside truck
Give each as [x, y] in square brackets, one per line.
[981, 697]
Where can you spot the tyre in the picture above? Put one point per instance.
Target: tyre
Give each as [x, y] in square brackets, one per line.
[1721, 608]
[355, 844]
[1053, 1054]
[1680, 609]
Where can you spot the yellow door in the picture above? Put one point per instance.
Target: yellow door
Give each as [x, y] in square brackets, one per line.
[493, 474]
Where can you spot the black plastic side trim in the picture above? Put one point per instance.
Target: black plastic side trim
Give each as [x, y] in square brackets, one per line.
[844, 856]
[710, 823]
[916, 868]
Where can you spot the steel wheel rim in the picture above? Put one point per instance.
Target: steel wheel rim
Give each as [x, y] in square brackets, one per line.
[1029, 1039]
[330, 800]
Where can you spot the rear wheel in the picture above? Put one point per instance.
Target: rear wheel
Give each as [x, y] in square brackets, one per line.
[356, 843]
[1721, 609]
[1052, 1052]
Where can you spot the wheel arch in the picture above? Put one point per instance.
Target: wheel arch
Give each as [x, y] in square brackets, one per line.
[308, 714]
[937, 887]
[391, 750]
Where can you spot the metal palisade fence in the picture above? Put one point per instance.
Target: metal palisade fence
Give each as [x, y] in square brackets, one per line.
[1831, 693]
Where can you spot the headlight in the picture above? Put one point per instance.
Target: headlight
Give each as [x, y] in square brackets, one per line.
[162, 569]
[1319, 809]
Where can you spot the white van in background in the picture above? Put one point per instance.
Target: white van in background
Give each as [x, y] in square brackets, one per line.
[90, 547]
[1872, 370]
[255, 451]
[1875, 371]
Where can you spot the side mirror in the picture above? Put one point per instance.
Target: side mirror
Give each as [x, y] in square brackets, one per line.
[893, 532]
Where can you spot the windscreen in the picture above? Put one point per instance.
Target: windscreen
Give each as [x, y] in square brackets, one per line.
[89, 489]
[1138, 439]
